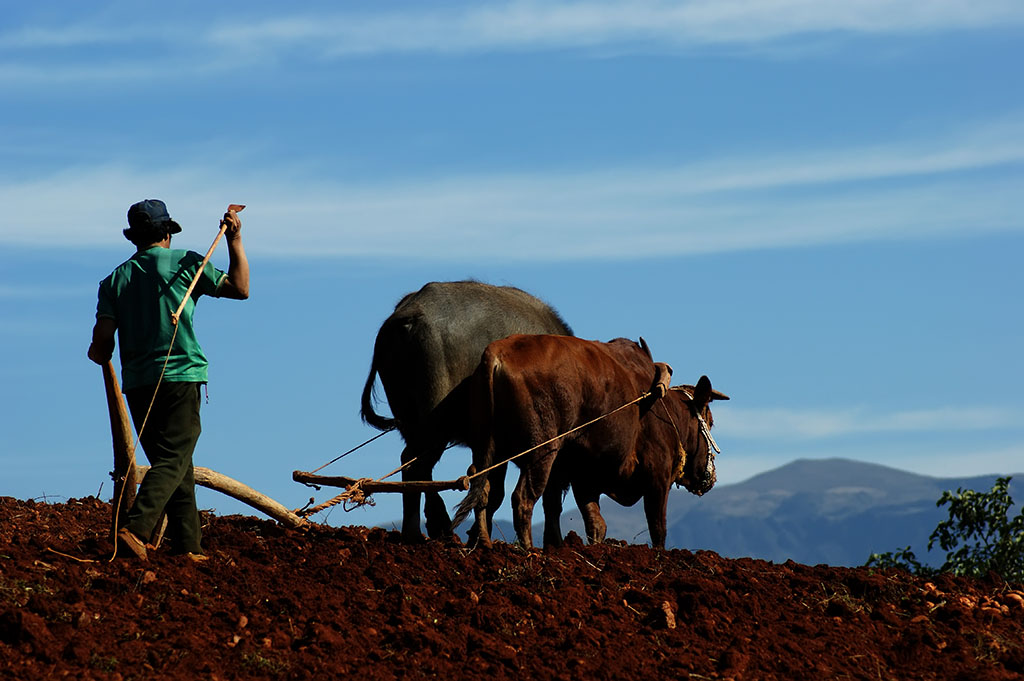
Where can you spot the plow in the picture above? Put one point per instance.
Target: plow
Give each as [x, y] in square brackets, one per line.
[357, 491]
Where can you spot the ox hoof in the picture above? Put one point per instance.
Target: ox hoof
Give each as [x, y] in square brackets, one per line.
[413, 537]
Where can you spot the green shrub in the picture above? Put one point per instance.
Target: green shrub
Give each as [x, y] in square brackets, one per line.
[904, 559]
[979, 537]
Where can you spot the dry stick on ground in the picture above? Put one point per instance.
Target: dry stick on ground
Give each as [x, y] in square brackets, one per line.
[237, 490]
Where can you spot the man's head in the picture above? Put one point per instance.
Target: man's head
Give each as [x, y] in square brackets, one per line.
[149, 222]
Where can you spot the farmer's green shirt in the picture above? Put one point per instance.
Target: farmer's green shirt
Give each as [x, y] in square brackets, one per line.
[140, 296]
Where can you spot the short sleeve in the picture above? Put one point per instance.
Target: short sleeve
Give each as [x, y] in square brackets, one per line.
[213, 278]
[209, 281]
[106, 300]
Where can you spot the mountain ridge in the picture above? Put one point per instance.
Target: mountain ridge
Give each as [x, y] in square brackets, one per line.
[836, 511]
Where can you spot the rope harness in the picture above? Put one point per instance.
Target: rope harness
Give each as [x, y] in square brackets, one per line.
[705, 430]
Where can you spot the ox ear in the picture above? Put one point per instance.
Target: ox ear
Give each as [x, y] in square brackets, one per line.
[645, 348]
[702, 393]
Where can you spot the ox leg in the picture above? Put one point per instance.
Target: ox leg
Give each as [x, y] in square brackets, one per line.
[588, 501]
[522, 515]
[438, 522]
[410, 501]
[480, 533]
[655, 508]
[496, 494]
[532, 481]
[554, 493]
[488, 505]
[552, 515]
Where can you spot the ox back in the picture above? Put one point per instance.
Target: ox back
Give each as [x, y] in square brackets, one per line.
[423, 354]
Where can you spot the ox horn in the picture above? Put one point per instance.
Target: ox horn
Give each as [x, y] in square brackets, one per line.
[645, 347]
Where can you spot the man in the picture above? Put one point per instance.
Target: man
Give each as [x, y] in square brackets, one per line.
[137, 302]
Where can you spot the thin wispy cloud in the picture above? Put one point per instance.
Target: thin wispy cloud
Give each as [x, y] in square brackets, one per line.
[76, 35]
[942, 188]
[95, 48]
[815, 424]
[641, 24]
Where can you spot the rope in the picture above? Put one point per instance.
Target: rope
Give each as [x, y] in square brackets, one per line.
[558, 437]
[342, 456]
[353, 494]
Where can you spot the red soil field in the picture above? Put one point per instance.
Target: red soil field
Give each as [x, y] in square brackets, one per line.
[352, 602]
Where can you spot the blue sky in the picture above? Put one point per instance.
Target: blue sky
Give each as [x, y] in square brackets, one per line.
[818, 205]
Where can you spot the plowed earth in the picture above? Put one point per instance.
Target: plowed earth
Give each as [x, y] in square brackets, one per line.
[353, 602]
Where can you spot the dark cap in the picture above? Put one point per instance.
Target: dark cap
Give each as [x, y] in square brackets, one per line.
[149, 214]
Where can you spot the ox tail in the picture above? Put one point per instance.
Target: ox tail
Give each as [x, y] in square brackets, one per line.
[481, 438]
[369, 416]
[475, 498]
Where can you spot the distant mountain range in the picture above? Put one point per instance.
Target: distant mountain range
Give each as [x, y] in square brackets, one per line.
[833, 511]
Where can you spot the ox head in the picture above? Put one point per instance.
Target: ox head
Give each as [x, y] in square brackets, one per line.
[697, 465]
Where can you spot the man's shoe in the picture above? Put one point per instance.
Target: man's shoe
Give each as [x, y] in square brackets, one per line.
[132, 543]
[197, 557]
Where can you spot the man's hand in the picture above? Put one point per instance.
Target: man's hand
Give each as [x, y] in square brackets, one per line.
[234, 225]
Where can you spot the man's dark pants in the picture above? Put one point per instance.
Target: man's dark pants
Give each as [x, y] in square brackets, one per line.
[168, 440]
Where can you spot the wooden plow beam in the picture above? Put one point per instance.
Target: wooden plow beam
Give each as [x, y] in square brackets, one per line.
[370, 486]
[358, 490]
[219, 482]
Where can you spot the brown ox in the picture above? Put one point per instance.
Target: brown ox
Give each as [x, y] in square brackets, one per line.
[530, 389]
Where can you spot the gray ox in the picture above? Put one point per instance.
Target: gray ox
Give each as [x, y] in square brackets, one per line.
[423, 354]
